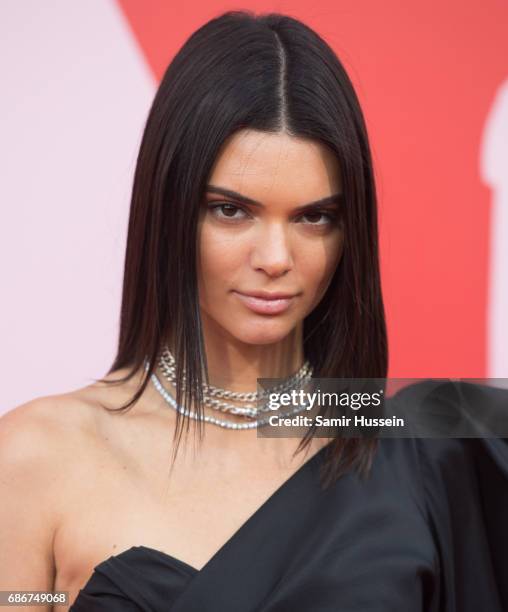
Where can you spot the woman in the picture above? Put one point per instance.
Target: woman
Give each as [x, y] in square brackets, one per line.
[251, 253]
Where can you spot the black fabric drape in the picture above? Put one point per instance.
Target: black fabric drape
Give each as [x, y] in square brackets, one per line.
[427, 531]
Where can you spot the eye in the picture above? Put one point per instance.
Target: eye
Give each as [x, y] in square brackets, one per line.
[227, 211]
[318, 217]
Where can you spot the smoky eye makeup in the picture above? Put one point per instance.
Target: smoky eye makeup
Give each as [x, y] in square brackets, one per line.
[332, 214]
[316, 215]
[227, 210]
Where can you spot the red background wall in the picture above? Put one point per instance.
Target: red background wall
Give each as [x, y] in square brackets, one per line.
[425, 73]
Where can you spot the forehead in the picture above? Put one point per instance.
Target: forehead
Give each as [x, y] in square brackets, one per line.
[265, 166]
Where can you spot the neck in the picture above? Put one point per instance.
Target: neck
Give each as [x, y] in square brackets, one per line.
[236, 366]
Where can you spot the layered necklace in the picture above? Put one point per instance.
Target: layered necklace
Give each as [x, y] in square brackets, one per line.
[252, 406]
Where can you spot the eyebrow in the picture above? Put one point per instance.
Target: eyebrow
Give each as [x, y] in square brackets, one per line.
[336, 198]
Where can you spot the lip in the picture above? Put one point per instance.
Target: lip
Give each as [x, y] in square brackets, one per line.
[262, 302]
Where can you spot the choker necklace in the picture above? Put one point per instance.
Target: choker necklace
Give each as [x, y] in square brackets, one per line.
[253, 402]
[214, 396]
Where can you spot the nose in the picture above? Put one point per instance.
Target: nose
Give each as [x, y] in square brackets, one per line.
[271, 252]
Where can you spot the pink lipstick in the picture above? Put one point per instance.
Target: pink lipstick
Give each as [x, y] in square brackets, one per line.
[266, 303]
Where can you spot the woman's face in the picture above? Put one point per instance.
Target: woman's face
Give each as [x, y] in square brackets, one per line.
[270, 235]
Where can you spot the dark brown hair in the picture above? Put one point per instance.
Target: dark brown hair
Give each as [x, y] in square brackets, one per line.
[269, 73]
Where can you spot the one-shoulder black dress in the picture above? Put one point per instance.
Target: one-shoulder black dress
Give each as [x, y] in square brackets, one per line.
[427, 531]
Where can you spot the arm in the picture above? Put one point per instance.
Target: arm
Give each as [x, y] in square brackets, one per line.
[28, 491]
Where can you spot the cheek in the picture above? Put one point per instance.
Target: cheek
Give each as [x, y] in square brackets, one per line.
[218, 258]
[318, 265]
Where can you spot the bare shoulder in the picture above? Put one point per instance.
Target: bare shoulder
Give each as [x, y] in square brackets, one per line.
[53, 450]
[51, 428]
[35, 451]
[44, 423]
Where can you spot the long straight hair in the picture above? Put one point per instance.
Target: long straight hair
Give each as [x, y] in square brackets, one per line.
[262, 72]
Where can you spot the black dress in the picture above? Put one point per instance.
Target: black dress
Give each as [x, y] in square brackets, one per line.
[427, 531]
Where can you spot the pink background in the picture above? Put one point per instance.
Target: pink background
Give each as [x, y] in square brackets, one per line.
[78, 80]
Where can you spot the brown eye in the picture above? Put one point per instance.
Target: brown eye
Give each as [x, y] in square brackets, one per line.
[313, 217]
[318, 218]
[227, 211]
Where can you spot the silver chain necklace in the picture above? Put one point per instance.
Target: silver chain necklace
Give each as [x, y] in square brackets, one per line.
[213, 396]
[302, 376]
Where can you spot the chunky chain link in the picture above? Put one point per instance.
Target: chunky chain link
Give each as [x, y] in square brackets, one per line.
[254, 403]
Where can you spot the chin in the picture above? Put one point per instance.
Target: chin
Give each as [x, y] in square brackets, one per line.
[264, 332]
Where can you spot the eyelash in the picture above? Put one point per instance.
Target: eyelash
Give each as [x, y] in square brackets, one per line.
[332, 216]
